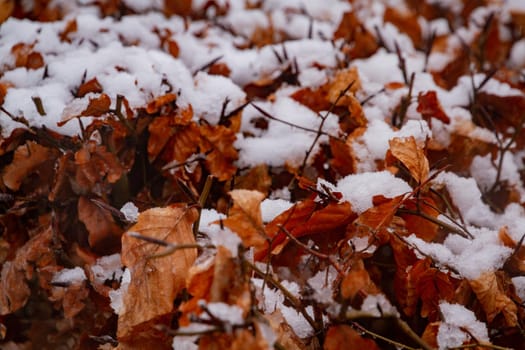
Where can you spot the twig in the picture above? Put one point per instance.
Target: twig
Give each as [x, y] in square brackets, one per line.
[292, 299]
[312, 251]
[269, 116]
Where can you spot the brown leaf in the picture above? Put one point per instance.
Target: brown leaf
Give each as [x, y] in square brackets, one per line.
[422, 227]
[6, 8]
[257, 178]
[429, 107]
[155, 282]
[26, 57]
[34, 254]
[306, 218]
[343, 158]
[180, 7]
[354, 32]
[345, 337]
[89, 86]
[157, 103]
[219, 68]
[430, 286]
[357, 280]
[104, 233]
[72, 298]
[71, 27]
[217, 141]
[341, 81]
[412, 156]
[95, 168]
[406, 22]
[493, 299]
[97, 106]
[244, 217]
[26, 160]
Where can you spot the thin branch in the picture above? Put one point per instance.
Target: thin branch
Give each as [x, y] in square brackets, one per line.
[297, 304]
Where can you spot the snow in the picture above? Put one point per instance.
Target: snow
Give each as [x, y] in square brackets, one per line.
[69, 276]
[117, 296]
[271, 208]
[219, 236]
[107, 268]
[459, 325]
[130, 211]
[470, 257]
[378, 306]
[359, 189]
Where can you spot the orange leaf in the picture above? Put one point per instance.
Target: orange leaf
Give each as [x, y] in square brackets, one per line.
[15, 274]
[219, 68]
[381, 214]
[27, 159]
[345, 337]
[97, 106]
[493, 299]
[245, 219]
[89, 86]
[426, 285]
[343, 159]
[95, 167]
[104, 233]
[156, 105]
[257, 178]
[357, 280]
[217, 141]
[406, 22]
[423, 228]
[6, 8]
[155, 282]
[306, 218]
[429, 107]
[71, 27]
[412, 156]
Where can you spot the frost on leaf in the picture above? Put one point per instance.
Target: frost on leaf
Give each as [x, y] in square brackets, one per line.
[155, 281]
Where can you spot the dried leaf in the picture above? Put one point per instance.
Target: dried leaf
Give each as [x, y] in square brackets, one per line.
[219, 68]
[34, 254]
[6, 8]
[306, 218]
[72, 298]
[26, 57]
[71, 27]
[244, 218]
[429, 107]
[406, 22]
[96, 167]
[345, 337]
[357, 280]
[97, 106]
[353, 31]
[257, 178]
[426, 286]
[412, 156]
[156, 105]
[217, 142]
[26, 160]
[89, 86]
[104, 233]
[422, 227]
[493, 299]
[155, 282]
